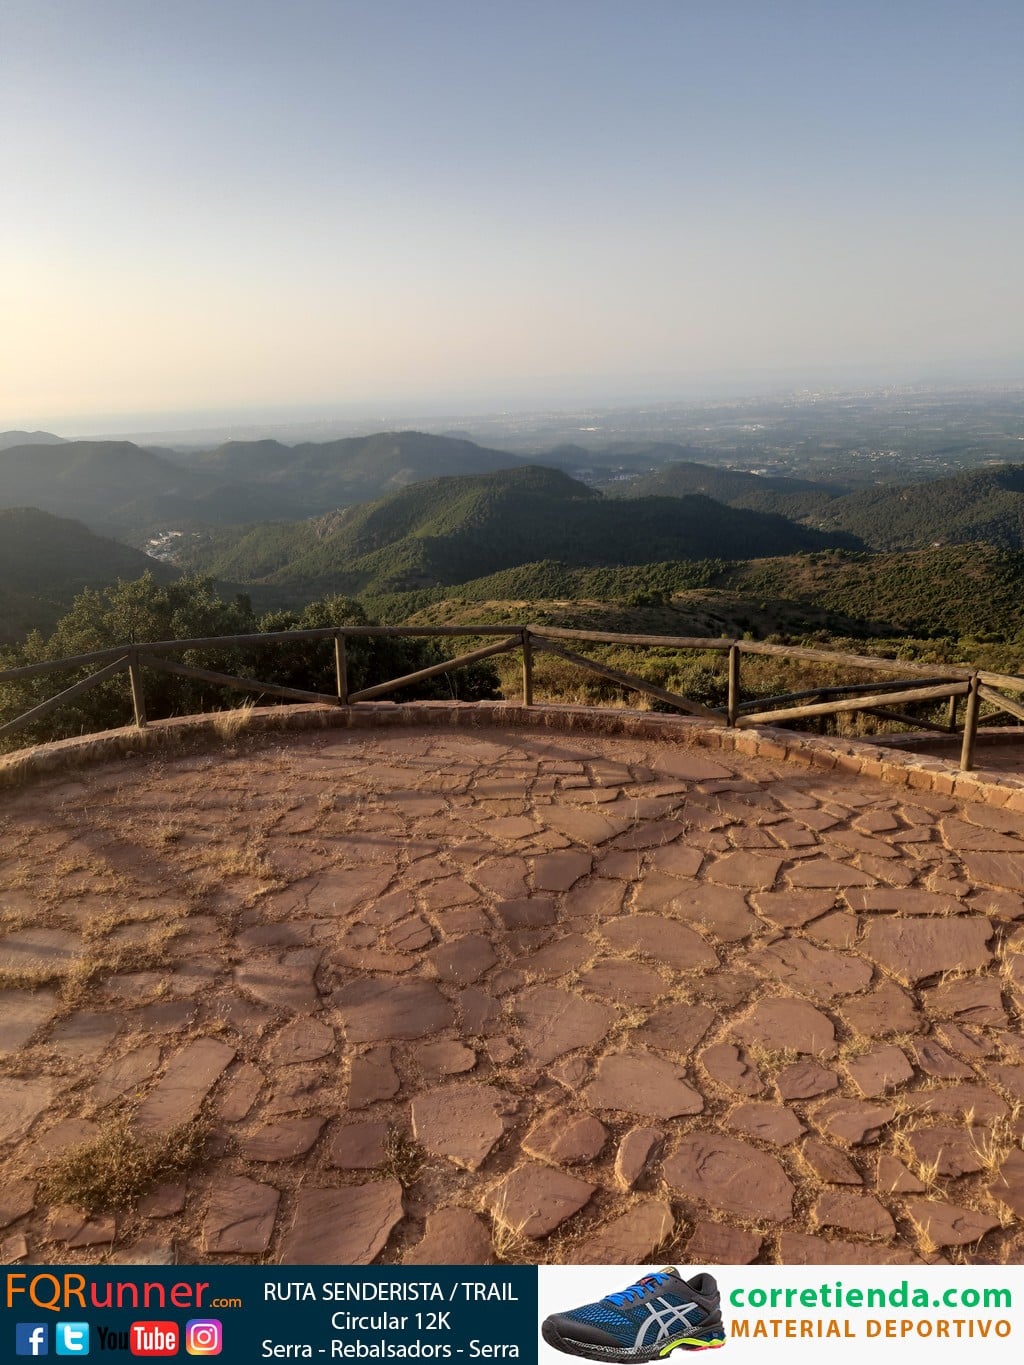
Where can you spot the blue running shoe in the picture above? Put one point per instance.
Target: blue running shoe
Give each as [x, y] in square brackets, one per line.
[661, 1313]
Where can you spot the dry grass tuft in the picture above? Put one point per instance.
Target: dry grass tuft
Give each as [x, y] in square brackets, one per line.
[121, 1165]
[228, 725]
[403, 1158]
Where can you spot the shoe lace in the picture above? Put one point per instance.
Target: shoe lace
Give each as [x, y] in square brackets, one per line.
[638, 1289]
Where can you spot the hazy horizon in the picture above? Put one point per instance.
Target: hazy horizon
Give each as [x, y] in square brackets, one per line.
[352, 205]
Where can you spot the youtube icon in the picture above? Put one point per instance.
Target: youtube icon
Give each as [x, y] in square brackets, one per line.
[154, 1338]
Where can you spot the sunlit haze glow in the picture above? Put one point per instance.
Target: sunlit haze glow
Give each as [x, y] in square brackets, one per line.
[249, 203]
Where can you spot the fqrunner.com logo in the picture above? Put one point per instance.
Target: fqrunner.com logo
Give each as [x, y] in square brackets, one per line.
[31, 1339]
[204, 1337]
[72, 1338]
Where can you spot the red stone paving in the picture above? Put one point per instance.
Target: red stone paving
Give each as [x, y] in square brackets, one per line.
[543, 996]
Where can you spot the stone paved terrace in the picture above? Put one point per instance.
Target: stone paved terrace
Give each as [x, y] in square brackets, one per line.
[449, 995]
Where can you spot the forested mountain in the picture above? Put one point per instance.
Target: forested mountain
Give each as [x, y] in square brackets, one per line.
[45, 561]
[453, 530]
[979, 505]
[982, 505]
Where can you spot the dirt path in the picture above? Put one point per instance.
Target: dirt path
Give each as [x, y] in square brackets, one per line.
[544, 999]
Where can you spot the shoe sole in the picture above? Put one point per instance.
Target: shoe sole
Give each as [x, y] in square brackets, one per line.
[584, 1349]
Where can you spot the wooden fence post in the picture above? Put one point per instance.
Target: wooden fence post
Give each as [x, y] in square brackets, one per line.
[341, 667]
[954, 701]
[138, 695]
[527, 669]
[970, 727]
[733, 703]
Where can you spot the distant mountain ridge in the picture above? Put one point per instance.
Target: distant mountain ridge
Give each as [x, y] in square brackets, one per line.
[118, 487]
[28, 438]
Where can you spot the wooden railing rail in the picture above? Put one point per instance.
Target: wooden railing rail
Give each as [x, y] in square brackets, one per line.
[914, 683]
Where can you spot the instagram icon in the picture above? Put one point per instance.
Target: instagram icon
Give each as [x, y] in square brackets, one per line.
[204, 1337]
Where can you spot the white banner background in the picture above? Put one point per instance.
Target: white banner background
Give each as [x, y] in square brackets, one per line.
[564, 1287]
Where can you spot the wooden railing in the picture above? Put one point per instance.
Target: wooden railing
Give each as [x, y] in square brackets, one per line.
[924, 683]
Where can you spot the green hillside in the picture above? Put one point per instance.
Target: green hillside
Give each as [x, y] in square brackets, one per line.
[980, 505]
[983, 505]
[46, 561]
[447, 531]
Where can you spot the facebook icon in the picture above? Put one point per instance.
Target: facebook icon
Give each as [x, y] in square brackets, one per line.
[32, 1339]
[72, 1338]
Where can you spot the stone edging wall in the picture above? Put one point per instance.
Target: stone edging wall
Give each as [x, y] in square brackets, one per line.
[891, 765]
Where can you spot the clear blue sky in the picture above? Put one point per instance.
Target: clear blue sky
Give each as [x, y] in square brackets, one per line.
[220, 203]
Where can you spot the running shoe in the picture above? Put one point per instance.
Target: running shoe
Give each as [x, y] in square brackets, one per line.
[660, 1313]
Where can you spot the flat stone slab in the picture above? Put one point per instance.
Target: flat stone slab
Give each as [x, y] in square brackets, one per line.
[640, 1083]
[533, 1200]
[787, 1023]
[818, 972]
[83, 1035]
[826, 873]
[559, 871]
[452, 1237]
[730, 1066]
[883, 1069]
[952, 1151]
[770, 1122]
[359, 1146]
[33, 951]
[21, 1014]
[133, 1071]
[631, 1238]
[376, 1011]
[858, 1213]
[996, 869]
[632, 983]
[348, 1226]
[730, 1175]
[886, 1009]
[829, 1163]
[914, 949]
[303, 1040]
[21, 1103]
[565, 1139]
[278, 982]
[852, 1121]
[663, 940]
[676, 1028]
[753, 871]
[16, 1199]
[634, 1153]
[240, 1217]
[805, 1080]
[340, 892]
[949, 1225]
[460, 1122]
[554, 1021]
[718, 911]
[282, 1141]
[720, 1244]
[901, 900]
[463, 961]
[190, 1076]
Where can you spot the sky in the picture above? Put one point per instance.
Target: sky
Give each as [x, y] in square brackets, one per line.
[214, 205]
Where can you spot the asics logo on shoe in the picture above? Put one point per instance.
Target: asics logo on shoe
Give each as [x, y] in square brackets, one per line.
[669, 1320]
